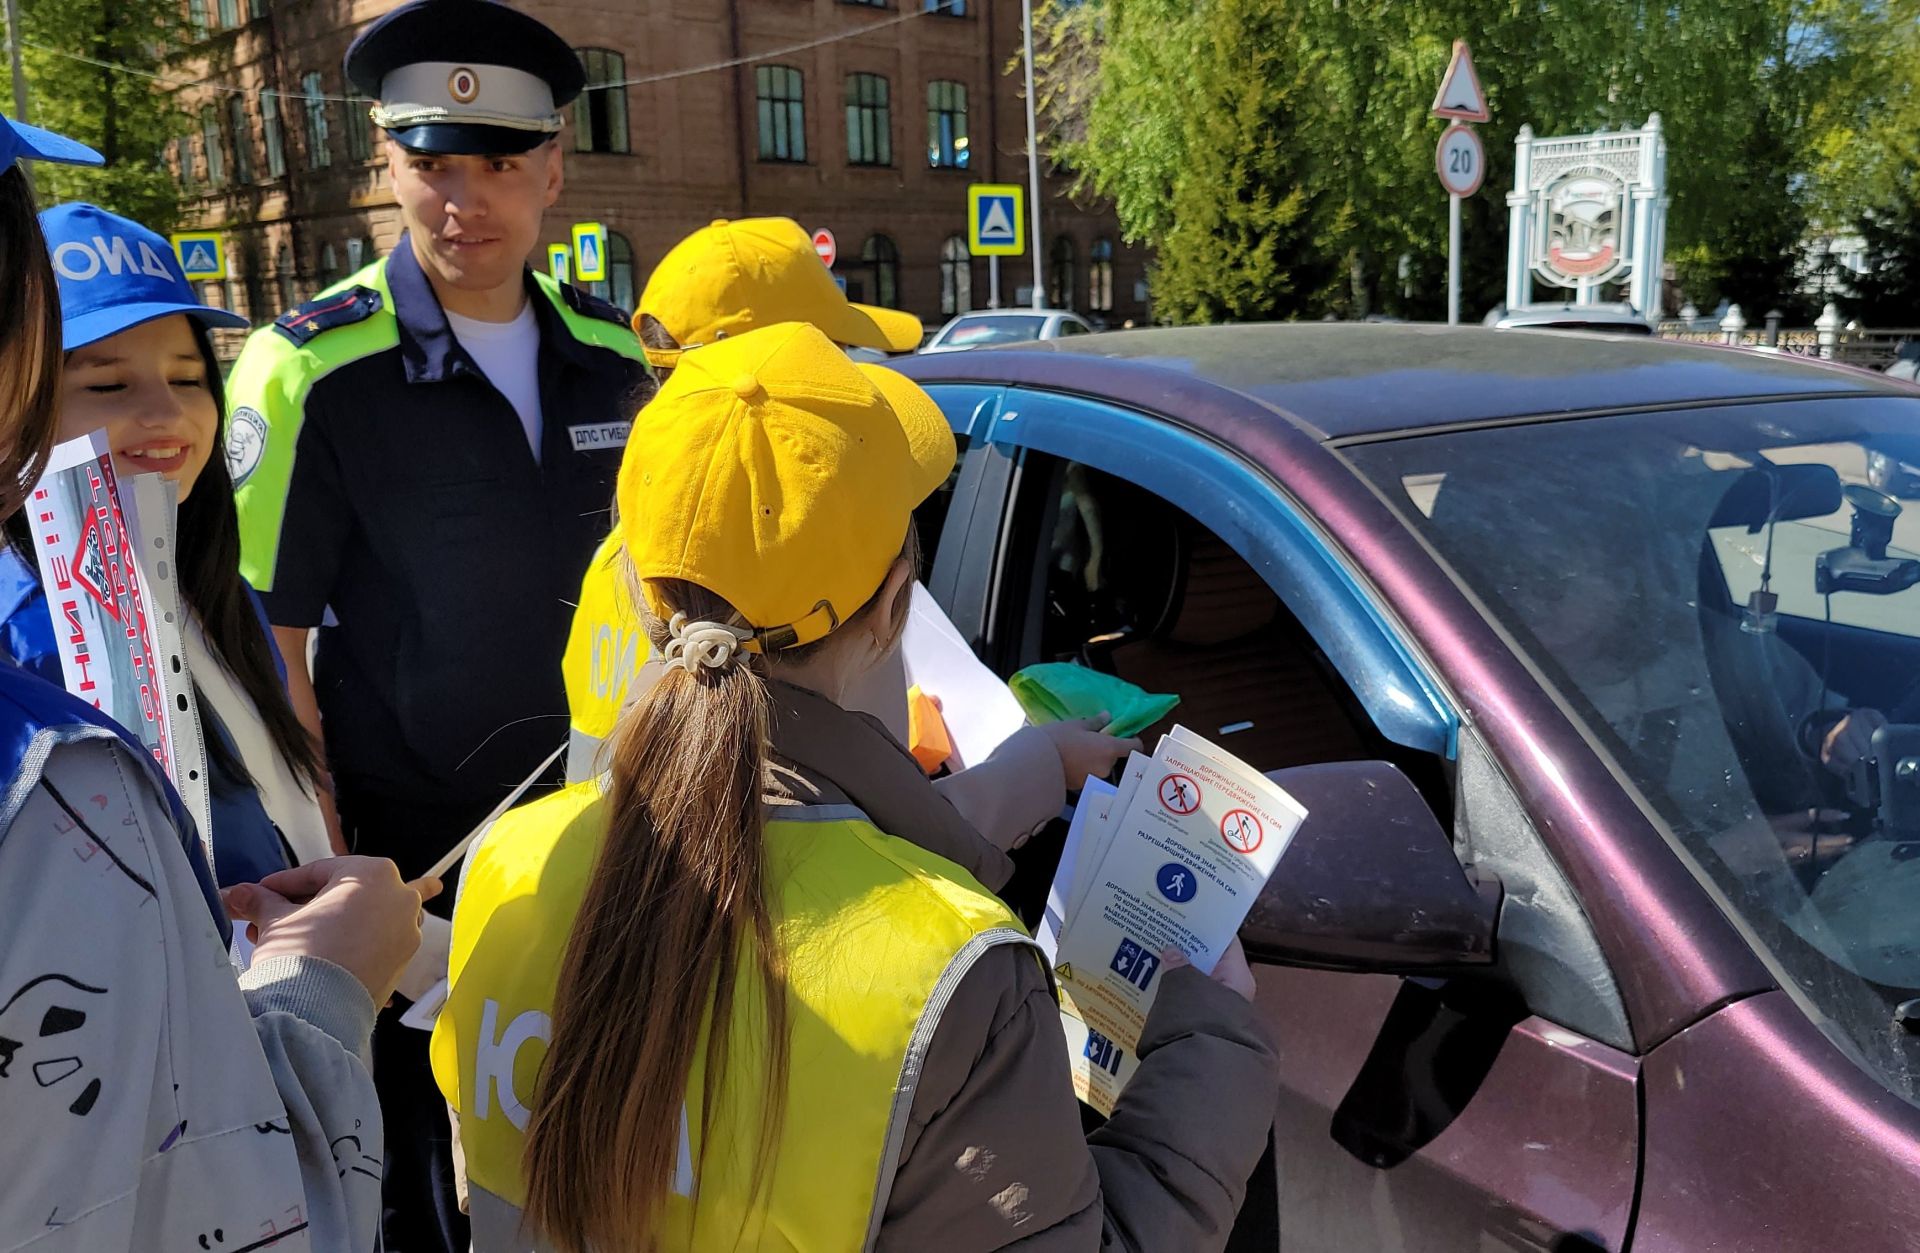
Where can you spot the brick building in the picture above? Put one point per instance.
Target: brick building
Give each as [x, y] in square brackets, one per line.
[874, 136]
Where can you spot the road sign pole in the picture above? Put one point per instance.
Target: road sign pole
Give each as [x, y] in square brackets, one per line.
[1453, 260]
[1033, 163]
[993, 282]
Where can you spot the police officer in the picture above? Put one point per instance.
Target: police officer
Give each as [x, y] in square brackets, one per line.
[424, 458]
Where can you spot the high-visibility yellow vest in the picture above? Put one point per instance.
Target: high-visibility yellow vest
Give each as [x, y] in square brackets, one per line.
[875, 933]
[606, 646]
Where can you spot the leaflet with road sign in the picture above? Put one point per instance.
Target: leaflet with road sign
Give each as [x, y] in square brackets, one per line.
[1190, 838]
[104, 547]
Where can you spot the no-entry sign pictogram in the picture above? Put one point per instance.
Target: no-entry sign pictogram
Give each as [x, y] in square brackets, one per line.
[1242, 831]
[1180, 794]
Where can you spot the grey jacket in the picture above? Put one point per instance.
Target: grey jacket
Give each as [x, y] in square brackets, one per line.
[147, 1101]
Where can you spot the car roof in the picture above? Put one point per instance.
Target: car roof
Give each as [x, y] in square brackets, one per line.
[1344, 380]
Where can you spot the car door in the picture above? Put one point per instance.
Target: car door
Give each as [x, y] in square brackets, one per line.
[1495, 1112]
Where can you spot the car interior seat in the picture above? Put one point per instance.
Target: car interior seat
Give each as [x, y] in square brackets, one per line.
[1248, 676]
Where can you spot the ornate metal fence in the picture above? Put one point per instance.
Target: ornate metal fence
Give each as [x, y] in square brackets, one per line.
[1830, 338]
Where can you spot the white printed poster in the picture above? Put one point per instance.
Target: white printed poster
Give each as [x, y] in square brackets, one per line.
[1184, 848]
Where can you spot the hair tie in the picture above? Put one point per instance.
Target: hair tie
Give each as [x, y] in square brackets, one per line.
[694, 644]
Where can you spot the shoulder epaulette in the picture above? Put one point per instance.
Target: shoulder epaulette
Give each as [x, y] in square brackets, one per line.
[590, 305]
[342, 308]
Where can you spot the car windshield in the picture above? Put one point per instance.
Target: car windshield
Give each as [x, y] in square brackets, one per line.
[1727, 599]
[999, 329]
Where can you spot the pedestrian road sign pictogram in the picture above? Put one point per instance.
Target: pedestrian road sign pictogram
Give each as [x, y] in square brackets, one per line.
[200, 254]
[1242, 831]
[589, 252]
[560, 261]
[1179, 794]
[1176, 882]
[996, 219]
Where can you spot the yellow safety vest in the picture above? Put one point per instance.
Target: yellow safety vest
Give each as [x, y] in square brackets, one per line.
[876, 933]
[606, 646]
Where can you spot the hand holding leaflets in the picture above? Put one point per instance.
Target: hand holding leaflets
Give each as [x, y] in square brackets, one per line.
[1171, 859]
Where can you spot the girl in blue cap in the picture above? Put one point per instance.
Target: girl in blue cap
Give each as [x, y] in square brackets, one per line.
[139, 366]
[148, 1102]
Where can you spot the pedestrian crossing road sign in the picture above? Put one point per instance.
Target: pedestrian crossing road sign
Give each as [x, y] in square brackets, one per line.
[200, 254]
[996, 219]
[589, 252]
[559, 261]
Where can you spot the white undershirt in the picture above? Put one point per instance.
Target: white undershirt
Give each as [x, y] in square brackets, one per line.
[508, 353]
[289, 802]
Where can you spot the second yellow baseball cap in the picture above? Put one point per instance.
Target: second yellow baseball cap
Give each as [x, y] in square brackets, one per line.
[729, 278]
[780, 476]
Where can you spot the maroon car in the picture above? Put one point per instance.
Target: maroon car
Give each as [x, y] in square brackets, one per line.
[1597, 663]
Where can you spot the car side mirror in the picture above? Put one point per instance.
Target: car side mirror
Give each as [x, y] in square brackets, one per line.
[1370, 882]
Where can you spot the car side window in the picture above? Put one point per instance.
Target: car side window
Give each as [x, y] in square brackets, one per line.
[1128, 582]
[1069, 327]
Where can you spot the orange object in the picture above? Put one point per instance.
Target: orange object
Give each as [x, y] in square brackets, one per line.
[927, 737]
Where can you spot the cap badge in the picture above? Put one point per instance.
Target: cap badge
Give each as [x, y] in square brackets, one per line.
[463, 85]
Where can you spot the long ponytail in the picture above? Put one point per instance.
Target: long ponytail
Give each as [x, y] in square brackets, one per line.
[675, 919]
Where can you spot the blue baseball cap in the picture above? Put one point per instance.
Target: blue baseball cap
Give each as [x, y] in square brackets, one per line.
[20, 142]
[115, 273]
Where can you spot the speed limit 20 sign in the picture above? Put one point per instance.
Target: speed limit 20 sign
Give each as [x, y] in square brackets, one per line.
[1460, 159]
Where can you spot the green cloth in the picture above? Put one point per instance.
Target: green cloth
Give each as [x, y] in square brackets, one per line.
[1057, 691]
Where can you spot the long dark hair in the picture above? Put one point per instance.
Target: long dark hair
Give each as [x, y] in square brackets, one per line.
[210, 582]
[29, 344]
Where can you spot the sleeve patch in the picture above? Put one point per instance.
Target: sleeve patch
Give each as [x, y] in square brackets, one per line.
[356, 304]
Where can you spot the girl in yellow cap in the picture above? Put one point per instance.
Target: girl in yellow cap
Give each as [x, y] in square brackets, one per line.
[751, 991]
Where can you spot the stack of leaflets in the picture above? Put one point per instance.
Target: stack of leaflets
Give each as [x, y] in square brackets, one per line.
[1172, 858]
[105, 548]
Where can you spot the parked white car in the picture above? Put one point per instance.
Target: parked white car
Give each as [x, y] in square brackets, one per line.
[998, 328]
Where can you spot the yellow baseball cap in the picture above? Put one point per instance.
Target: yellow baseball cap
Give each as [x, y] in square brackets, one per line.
[729, 278]
[777, 474]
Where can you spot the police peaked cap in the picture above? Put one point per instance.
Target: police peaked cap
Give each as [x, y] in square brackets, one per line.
[450, 95]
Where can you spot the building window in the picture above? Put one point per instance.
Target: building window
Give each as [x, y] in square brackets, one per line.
[259, 9]
[319, 150]
[329, 266]
[952, 8]
[210, 142]
[617, 287]
[283, 277]
[197, 18]
[869, 121]
[270, 130]
[1060, 276]
[783, 113]
[956, 276]
[882, 258]
[871, 4]
[600, 115]
[242, 139]
[229, 11]
[359, 129]
[947, 125]
[1100, 276]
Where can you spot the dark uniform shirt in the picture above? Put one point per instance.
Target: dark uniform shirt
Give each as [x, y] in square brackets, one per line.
[382, 477]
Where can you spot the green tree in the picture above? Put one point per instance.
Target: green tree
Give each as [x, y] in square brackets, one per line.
[1247, 238]
[127, 117]
[1888, 294]
[1749, 90]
